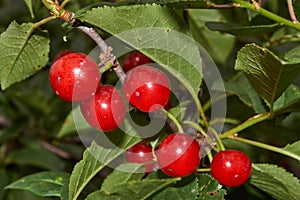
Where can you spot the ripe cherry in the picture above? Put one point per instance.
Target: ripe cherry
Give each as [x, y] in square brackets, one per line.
[106, 110]
[74, 77]
[178, 155]
[147, 88]
[134, 59]
[140, 153]
[231, 167]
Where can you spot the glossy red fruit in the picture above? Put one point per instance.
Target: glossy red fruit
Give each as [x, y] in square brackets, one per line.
[106, 110]
[147, 88]
[74, 77]
[231, 167]
[140, 153]
[178, 155]
[134, 59]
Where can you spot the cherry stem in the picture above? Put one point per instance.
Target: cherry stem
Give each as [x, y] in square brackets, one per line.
[250, 122]
[203, 170]
[173, 119]
[267, 146]
[219, 141]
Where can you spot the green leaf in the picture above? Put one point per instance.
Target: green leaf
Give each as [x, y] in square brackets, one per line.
[137, 189]
[3, 181]
[238, 30]
[209, 188]
[266, 73]
[44, 184]
[121, 175]
[171, 3]
[246, 93]
[22, 53]
[42, 158]
[289, 101]
[275, 181]
[294, 148]
[94, 159]
[187, 192]
[29, 6]
[156, 31]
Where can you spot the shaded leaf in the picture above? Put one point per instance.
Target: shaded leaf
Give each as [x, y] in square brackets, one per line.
[187, 192]
[29, 6]
[22, 53]
[275, 181]
[266, 73]
[44, 184]
[246, 93]
[94, 159]
[218, 45]
[156, 31]
[241, 30]
[209, 188]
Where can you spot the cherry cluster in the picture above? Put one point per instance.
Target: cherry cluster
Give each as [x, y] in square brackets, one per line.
[75, 77]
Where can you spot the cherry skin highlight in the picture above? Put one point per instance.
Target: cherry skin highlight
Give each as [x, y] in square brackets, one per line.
[147, 88]
[231, 167]
[178, 155]
[74, 77]
[133, 60]
[106, 110]
[140, 153]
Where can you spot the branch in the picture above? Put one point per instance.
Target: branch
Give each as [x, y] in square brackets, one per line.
[266, 13]
[105, 55]
[292, 12]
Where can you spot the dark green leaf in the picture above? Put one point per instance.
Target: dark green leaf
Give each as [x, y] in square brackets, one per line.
[265, 71]
[22, 53]
[241, 30]
[209, 188]
[275, 181]
[43, 183]
[121, 175]
[94, 159]
[187, 192]
[171, 3]
[289, 101]
[3, 181]
[74, 123]
[42, 158]
[103, 196]
[243, 89]
[156, 31]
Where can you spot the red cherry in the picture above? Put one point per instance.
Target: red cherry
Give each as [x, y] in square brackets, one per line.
[231, 167]
[74, 77]
[134, 59]
[147, 88]
[178, 155]
[140, 153]
[106, 110]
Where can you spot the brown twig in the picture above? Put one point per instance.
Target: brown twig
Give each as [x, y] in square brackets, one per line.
[56, 150]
